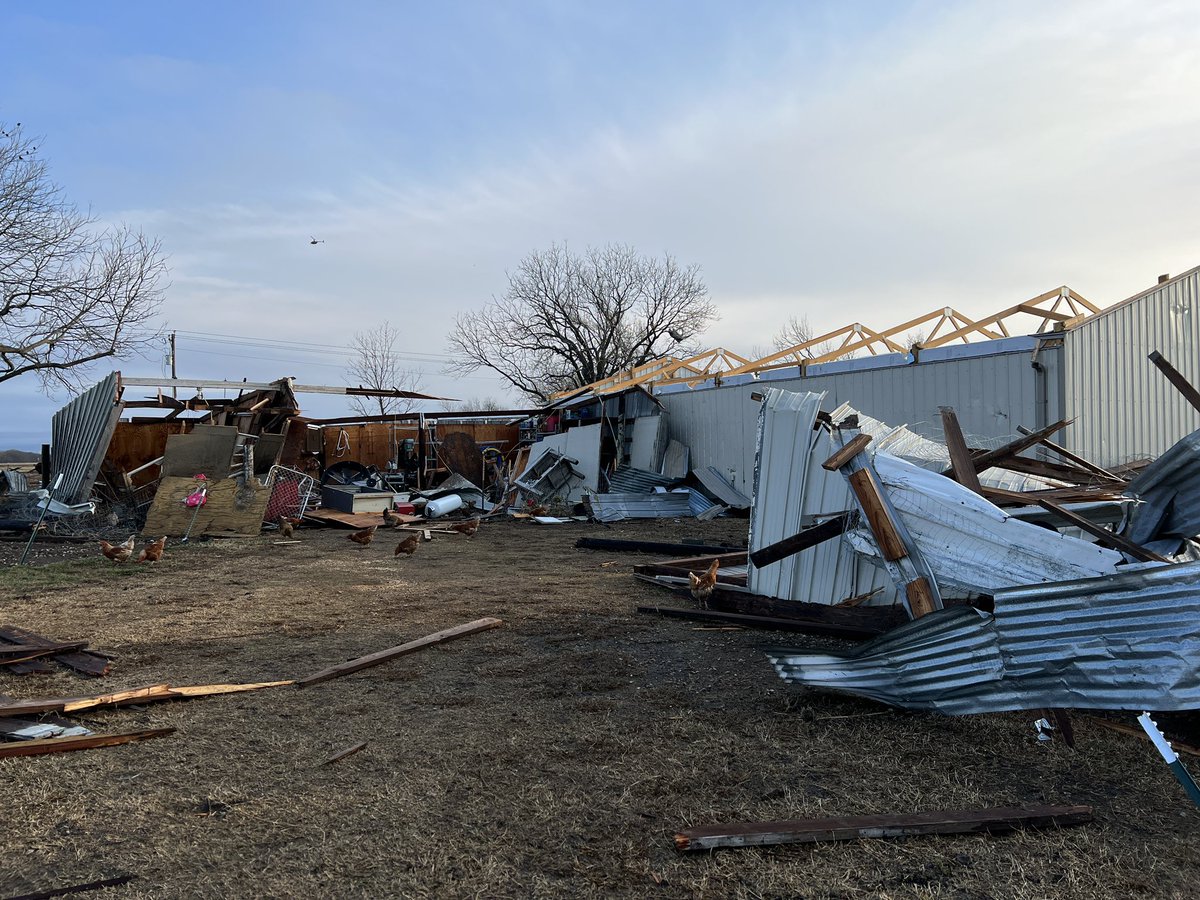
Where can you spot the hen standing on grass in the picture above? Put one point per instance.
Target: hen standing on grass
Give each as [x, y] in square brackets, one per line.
[118, 553]
[409, 545]
[153, 551]
[702, 585]
[363, 537]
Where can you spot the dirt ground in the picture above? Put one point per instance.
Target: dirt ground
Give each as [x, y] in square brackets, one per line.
[555, 756]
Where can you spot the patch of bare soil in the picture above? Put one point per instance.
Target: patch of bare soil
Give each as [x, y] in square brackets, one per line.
[555, 756]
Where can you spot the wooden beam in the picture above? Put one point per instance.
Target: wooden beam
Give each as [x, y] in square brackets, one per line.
[773, 623]
[850, 828]
[661, 548]
[854, 447]
[920, 597]
[1173, 375]
[809, 537]
[77, 888]
[1013, 447]
[1071, 457]
[1057, 471]
[1102, 534]
[374, 659]
[80, 742]
[960, 457]
[886, 534]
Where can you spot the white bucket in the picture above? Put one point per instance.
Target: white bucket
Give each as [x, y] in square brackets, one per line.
[443, 505]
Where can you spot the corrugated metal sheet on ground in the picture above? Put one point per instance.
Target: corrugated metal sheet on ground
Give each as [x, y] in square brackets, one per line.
[793, 492]
[1169, 489]
[628, 480]
[971, 544]
[719, 487]
[79, 436]
[1127, 642]
[660, 505]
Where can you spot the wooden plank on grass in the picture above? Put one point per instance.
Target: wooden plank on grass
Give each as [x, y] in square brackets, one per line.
[77, 888]
[342, 754]
[85, 662]
[849, 828]
[773, 623]
[374, 659]
[82, 742]
[662, 548]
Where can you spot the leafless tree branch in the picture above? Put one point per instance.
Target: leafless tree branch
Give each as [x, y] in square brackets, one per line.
[567, 320]
[71, 292]
[376, 365]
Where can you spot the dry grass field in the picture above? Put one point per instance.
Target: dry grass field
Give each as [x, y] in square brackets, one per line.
[555, 756]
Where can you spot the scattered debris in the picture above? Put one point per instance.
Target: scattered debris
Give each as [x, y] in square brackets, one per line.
[42, 746]
[348, 751]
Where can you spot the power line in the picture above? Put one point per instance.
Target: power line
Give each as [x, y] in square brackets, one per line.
[302, 362]
[307, 346]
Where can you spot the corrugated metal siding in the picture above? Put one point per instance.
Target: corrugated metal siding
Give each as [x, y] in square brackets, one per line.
[991, 394]
[1129, 641]
[791, 490]
[1124, 408]
[79, 437]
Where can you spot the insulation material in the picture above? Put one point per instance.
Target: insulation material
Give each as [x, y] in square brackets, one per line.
[1122, 642]
[972, 545]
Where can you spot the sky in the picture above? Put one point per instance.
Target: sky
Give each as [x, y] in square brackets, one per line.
[844, 161]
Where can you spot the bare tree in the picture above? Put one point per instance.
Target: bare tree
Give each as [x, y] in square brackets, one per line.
[567, 320]
[473, 405]
[71, 292]
[797, 330]
[376, 365]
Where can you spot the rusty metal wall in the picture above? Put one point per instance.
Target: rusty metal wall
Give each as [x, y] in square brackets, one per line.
[1124, 408]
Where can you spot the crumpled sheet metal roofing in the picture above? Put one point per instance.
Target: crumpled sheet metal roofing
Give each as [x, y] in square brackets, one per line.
[1129, 641]
[628, 480]
[79, 436]
[972, 545]
[659, 505]
[1173, 476]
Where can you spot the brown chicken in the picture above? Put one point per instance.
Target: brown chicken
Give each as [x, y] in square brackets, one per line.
[286, 528]
[468, 527]
[153, 551]
[409, 545]
[539, 511]
[118, 553]
[702, 585]
[390, 519]
[363, 537]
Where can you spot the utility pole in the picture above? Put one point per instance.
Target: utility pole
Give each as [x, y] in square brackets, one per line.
[173, 393]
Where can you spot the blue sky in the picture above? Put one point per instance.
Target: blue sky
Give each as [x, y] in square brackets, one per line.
[845, 161]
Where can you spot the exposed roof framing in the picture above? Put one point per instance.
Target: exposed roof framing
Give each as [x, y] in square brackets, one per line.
[702, 365]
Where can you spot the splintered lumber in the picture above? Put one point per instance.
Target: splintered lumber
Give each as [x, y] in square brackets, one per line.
[374, 659]
[342, 754]
[1102, 534]
[809, 537]
[960, 457]
[81, 742]
[1141, 735]
[26, 652]
[856, 446]
[85, 662]
[1173, 375]
[773, 623]
[849, 828]
[148, 694]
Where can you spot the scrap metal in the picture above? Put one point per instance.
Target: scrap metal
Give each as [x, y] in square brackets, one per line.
[1129, 641]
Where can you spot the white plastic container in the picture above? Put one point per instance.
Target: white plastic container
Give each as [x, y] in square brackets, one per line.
[443, 505]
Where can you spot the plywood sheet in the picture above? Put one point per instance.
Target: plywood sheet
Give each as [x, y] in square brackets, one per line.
[229, 509]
